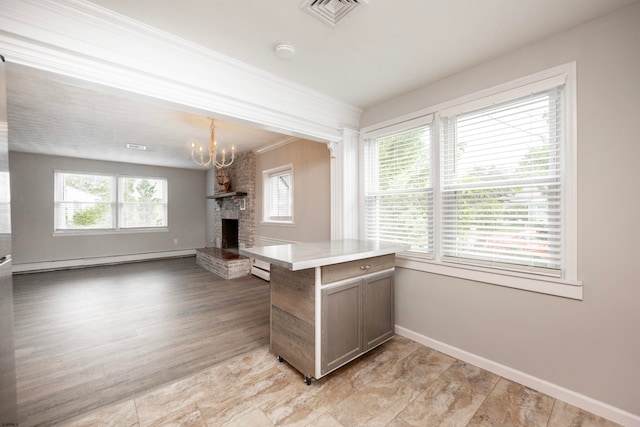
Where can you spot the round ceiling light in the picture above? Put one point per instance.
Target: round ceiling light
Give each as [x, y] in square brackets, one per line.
[285, 51]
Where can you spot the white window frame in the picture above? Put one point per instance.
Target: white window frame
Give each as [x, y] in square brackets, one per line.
[568, 285]
[58, 190]
[267, 175]
[116, 206]
[121, 203]
[393, 130]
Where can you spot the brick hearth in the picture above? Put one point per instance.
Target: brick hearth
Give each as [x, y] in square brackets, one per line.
[225, 264]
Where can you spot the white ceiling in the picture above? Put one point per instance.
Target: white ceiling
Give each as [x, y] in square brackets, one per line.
[382, 49]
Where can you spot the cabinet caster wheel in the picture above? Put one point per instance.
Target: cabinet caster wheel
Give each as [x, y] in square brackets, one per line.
[280, 359]
[307, 380]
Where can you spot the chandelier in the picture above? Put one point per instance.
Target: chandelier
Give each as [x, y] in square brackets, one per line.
[199, 158]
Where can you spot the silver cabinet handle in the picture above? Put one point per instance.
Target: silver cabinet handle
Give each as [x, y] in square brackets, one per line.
[365, 267]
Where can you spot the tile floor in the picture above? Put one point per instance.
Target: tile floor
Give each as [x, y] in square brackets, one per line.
[400, 383]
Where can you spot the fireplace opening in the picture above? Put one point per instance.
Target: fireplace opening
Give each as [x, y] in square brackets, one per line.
[229, 234]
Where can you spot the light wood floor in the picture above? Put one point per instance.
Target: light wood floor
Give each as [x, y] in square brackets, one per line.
[399, 384]
[89, 337]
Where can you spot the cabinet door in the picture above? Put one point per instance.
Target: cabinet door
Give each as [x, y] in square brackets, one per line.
[378, 303]
[341, 324]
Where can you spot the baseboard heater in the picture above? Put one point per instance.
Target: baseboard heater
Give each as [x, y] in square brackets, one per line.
[35, 267]
[261, 269]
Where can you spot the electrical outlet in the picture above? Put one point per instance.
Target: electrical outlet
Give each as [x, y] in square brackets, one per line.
[175, 241]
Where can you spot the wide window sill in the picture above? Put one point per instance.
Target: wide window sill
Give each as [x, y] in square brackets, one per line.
[528, 282]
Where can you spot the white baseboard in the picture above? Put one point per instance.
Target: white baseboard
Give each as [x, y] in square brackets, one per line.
[576, 399]
[87, 262]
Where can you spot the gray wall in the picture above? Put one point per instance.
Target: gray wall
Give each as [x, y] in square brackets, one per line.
[590, 346]
[312, 192]
[32, 211]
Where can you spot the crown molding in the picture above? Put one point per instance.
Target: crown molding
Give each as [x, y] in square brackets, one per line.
[281, 142]
[79, 39]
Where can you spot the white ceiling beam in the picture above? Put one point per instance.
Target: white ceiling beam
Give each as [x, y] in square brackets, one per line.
[82, 40]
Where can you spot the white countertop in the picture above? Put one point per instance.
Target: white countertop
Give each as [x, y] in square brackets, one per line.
[308, 255]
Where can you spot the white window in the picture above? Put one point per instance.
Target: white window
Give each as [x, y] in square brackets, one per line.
[278, 195]
[84, 202]
[502, 184]
[142, 202]
[398, 189]
[498, 186]
[105, 202]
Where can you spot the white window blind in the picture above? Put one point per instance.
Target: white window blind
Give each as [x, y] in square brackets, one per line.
[142, 202]
[501, 184]
[278, 195]
[84, 201]
[398, 188]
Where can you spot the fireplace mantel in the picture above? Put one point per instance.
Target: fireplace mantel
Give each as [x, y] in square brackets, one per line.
[231, 194]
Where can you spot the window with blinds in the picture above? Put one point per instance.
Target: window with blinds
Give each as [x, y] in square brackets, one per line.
[501, 184]
[484, 187]
[278, 195]
[398, 188]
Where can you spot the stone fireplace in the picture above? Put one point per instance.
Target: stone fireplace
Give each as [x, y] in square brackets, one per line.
[231, 216]
[239, 205]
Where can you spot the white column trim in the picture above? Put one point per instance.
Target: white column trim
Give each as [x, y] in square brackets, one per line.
[345, 185]
[336, 169]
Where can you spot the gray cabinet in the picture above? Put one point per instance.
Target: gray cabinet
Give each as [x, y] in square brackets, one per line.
[341, 324]
[357, 315]
[323, 317]
[378, 312]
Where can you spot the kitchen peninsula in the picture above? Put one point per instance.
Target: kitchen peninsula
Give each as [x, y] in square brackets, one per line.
[331, 301]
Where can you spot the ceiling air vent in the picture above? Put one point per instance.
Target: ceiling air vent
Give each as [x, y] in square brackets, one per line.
[331, 11]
